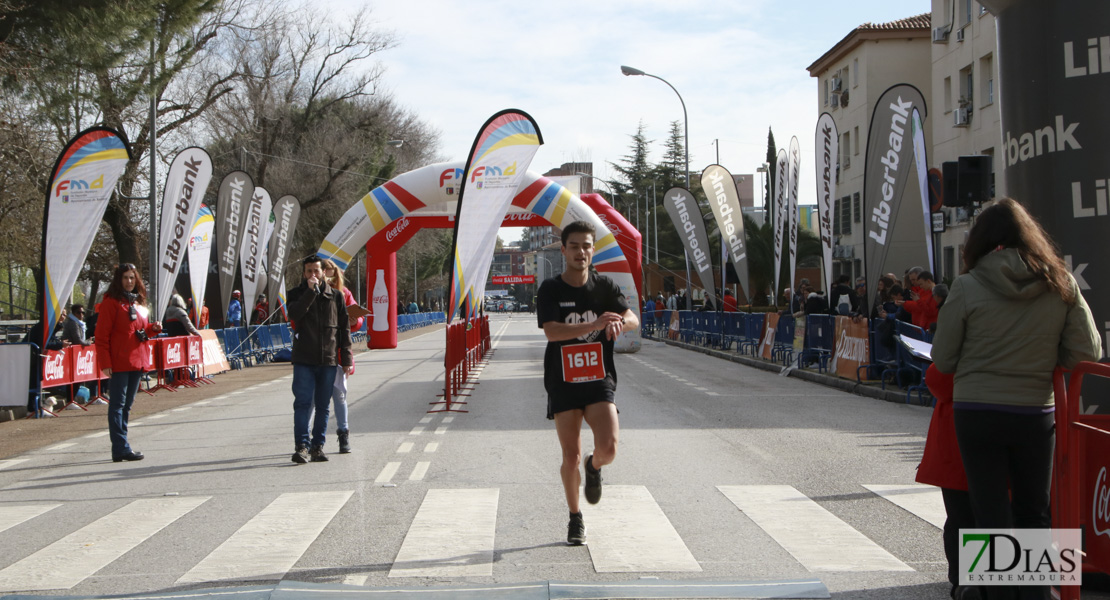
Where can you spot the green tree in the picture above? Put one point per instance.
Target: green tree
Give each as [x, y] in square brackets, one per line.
[772, 160]
[761, 257]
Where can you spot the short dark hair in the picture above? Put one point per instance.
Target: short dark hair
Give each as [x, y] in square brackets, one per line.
[76, 308]
[578, 227]
[925, 275]
[844, 279]
[311, 258]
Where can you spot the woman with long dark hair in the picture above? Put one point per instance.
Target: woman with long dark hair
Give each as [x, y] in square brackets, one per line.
[1010, 319]
[123, 351]
[334, 275]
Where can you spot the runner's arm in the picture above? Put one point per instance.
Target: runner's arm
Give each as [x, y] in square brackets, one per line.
[560, 332]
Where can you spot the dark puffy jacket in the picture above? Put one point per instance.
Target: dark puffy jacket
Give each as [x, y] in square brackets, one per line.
[320, 325]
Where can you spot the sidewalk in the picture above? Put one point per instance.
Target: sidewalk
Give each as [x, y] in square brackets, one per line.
[24, 435]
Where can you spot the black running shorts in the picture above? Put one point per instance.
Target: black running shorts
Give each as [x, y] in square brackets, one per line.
[558, 404]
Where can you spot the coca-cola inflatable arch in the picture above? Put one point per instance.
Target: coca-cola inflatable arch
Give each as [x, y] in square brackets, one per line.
[392, 213]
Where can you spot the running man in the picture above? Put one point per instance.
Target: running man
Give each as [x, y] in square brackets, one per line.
[581, 314]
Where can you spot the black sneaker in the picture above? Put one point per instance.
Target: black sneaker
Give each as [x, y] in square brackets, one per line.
[576, 530]
[593, 481]
[344, 436]
[318, 455]
[301, 455]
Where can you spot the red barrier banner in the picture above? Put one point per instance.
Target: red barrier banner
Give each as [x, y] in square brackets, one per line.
[56, 370]
[213, 353]
[1095, 503]
[502, 279]
[195, 351]
[83, 360]
[851, 349]
[172, 353]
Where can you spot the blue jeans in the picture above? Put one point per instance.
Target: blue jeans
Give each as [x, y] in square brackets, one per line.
[312, 388]
[339, 400]
[121, 395]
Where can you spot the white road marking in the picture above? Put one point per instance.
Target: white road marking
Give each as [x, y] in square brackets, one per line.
[712, 394]
[404, 448]
[448, 419]
[155, 417]
[815, 537]
[61, 446]
[11, 462]
[451, 536]
[923, 501]
[431, 447]
[441, 430]
[13, 515]
[388, 471]
[416, 431]
[97, 434]
[202, 403]
[701, 389]
[419, 471]
[628, 533]
[356, 579]
[268, 545]
[96, 545]
[181, 409]
[427, 419]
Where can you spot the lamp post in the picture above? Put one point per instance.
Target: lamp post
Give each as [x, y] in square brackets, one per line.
[629, 71]
[762, 170]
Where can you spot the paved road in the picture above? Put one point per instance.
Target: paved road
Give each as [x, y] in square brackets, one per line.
[724, 474]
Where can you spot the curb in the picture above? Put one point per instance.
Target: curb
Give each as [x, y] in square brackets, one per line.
[845, 385]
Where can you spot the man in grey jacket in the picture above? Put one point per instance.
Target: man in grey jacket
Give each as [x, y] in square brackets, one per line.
[74, 330]
[321, 339]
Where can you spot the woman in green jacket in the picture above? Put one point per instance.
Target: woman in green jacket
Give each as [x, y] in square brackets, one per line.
[1011, 318]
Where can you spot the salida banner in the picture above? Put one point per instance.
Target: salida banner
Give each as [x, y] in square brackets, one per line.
[686, 216]
[186, 183]
[509, 279]
[81, 184]
[724, 201]
[896, 239]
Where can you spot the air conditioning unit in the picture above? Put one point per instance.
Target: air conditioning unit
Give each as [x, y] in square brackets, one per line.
[837, 85]
[963, 117]
[940, 34]
[960, 35]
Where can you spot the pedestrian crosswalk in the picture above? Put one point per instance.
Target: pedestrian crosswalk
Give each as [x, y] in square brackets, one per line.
[453, 533]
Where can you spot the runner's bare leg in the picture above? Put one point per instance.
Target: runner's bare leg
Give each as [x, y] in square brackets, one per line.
[568, 425]
[602, 419]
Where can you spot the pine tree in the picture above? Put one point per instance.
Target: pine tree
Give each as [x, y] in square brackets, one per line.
[772, 160]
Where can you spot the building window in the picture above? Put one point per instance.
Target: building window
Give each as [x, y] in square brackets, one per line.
[986, 76]
[967, 84]
[855, 141]
[846, 215]
[846, 159]
[947, 94]
[855, 72]
[967, 11]
[857, 209]
[826, 92]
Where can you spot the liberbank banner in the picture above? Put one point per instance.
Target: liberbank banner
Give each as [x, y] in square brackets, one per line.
[186, 183]
[895, 239]
[287, 212]
[253, 247]
[795, 158]
[686, 216]
[782, 179]
[497, 162]
[233, 202]
[724, 201]
[827, 148]
[81, 183]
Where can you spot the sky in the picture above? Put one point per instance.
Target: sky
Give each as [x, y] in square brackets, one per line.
[740, 66]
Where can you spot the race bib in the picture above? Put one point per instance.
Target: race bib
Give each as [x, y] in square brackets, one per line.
[583, 362]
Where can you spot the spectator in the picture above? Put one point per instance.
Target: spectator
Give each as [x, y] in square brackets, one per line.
[843, 297]
[1010, 319]
[672, 301]
[123, 352]
[861, 296]
[261, 310]
[909, 282]
[660, 306]
[882, 295]
[203, 323]
[649, 307]
[921, 305]
[74, 331]
[334, 276]
[176, 321]
[816, 304]
[940, 293]
[235, 310]
[728, 302]
[413, 308]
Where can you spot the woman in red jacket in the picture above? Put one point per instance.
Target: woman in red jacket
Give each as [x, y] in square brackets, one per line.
[123, 352]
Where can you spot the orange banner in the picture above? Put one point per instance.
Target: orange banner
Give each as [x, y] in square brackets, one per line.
[768, 341]
[851, 350]
[214, 359]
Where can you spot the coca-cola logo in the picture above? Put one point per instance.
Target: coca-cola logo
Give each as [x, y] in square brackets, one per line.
[382, 299]
[173, 353]
[519, 217]
[611, 227]
[54, 367]
[85, 363]
[400, 226]
[1100, 505]
[194, 351]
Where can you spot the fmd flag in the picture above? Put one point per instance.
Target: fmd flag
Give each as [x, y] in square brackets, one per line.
[186, 183]
[497, 162]
[81, 183]
[827, 147]
[200, 255]
[895, 239]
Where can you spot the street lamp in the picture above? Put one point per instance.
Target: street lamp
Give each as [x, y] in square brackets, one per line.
[629, 71]
[762, 170]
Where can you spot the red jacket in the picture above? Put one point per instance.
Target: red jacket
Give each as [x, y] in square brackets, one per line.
[941, 464]
[117, 347]
[729, 303]
[923, 310]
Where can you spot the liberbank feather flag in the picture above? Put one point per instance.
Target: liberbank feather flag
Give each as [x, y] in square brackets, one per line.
[287, 212]
[186, 183]
[81, 183]
[200, 255]
[686, 216]
[724, 201]
[494, 169]
[795, 158]
[921, 160]
[234, 197]
[827, 147]
[782, 179]
[894, 240]
[253, 245]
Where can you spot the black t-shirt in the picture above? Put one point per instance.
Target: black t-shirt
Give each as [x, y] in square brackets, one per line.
[559, 301]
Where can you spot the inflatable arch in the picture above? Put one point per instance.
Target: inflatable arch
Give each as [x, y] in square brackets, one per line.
[387, 217]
